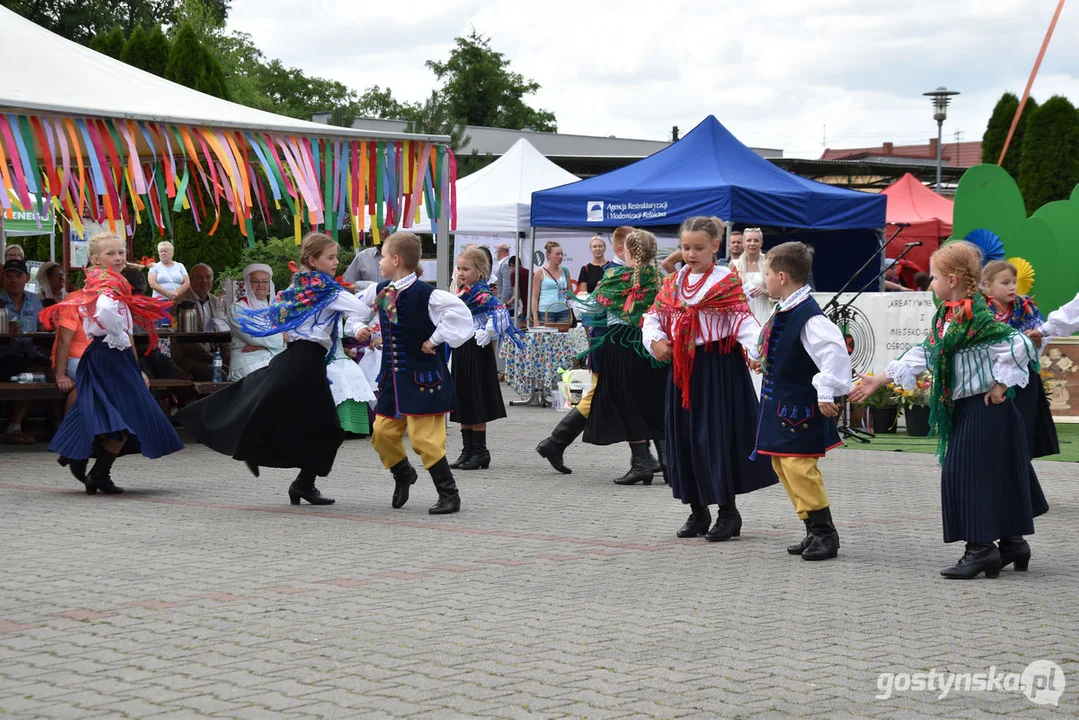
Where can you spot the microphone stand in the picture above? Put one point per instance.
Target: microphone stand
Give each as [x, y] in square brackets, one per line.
[841, 316]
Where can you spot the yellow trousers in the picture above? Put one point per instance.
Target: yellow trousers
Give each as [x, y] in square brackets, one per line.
[426, 434]
[585, 405]
[803, 482]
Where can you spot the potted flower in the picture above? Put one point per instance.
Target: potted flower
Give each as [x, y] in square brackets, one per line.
[916, 405]
[884, 405]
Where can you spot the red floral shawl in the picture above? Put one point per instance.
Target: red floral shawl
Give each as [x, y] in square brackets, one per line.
[145, 312]
[720, 313]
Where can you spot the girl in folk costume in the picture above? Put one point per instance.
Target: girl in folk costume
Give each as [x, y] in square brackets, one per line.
[629, 396]
[283, 415]
[999, 279]
[474, 368]
[114, 411]
[699, 318]
[351, 390]
[988, 487]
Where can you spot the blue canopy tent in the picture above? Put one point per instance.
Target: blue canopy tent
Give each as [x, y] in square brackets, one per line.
[709, 172]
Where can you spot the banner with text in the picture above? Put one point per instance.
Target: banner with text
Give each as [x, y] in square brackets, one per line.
[879, 327]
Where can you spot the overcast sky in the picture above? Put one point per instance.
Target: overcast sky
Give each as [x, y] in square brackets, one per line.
[778, 73]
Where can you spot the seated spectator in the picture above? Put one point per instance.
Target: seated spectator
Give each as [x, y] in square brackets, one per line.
[19, 356]
[210, 316]
[892, 282]
[51, 282]
[70, 343]
[156, 365]
[251, 353]
[921, 281]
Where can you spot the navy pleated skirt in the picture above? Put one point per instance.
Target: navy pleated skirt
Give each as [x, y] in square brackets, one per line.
[113, 399]
[1033, 406]
[628, 404]
[478, 396]
[281, 416]
[987, 485]
[708, 446]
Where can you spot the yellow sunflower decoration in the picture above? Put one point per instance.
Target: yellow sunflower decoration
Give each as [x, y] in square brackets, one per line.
[1025, 272]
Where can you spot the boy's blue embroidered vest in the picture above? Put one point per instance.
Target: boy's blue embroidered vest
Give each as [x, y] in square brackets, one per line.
[790, 422]
[412, 382]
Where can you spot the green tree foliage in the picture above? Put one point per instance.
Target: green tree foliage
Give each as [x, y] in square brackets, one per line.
[380, 103]
[192, 65]
[110, 43]
[277, 252]
[1049, 168]
[83, 20]
[292, 92]
[997, 131]
[481, 89]
[155, 58]
[435, 117]
[135, 47]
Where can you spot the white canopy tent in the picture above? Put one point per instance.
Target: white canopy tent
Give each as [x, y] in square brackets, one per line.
[494, 206]
[46, 74]
[497, 199]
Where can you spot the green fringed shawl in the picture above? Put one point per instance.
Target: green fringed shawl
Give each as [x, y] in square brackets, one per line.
[626, 295]
[972, 325]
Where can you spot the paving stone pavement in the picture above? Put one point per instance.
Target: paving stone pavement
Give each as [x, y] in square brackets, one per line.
[203, 593]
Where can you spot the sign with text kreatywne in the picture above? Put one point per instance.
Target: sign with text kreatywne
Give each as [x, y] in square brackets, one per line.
[879, 327]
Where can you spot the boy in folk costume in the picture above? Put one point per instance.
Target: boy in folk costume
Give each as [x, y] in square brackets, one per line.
[806, 367]
[415, 387]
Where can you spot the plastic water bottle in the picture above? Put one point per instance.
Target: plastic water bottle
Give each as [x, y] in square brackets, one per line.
[28, 378]
[218, 375]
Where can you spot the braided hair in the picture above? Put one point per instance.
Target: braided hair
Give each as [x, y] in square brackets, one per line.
[962, 259]
[641, 246]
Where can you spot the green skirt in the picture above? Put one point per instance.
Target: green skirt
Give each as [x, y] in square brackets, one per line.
[354, 418]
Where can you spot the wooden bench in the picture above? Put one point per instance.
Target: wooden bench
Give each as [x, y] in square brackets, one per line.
[10, 391]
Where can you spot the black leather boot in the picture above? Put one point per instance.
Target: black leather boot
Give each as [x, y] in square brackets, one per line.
[823, 539]
[728, 524]
[303, 488]
[404, 476]
[661, 452]
[800, 547]
[697, 523]
[99, 478]
[640, 467]
[449, 501]
[1014, 549]
[659, 466]
[978, 558]
[77, 468]
[481, 456]
[564, 433]
[466, 448]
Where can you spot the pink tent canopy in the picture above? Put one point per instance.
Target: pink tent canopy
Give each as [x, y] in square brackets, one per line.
[928, 215]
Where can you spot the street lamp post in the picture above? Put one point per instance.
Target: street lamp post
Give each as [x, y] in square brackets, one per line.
[942, 96]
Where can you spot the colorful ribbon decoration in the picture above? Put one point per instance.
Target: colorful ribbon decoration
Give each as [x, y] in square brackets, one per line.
[129, 171]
